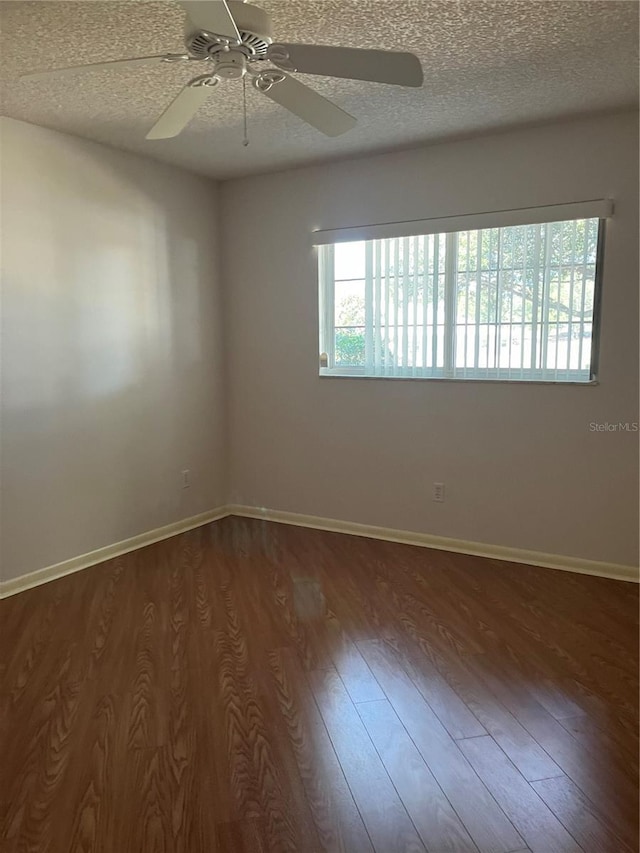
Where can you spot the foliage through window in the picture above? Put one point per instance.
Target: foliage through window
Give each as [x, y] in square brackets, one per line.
[517, 302]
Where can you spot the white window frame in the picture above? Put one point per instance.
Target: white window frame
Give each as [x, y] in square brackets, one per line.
[451, 227]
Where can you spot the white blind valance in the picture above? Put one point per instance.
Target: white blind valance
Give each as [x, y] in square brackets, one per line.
[590, 209]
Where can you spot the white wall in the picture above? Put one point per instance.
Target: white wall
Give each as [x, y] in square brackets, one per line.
[111, 347]
[521, 466]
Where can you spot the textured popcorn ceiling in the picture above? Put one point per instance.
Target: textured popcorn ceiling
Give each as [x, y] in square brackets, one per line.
[486, 65]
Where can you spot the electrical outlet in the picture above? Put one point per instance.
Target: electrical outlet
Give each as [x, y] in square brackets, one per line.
[438, 492]
[186, 479]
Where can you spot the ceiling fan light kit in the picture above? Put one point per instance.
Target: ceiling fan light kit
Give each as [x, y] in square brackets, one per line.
[234, 39]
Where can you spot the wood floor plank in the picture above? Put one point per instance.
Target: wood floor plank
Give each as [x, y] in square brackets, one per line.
[364, 615]
[189, 794]
[258, 779]
[437, 823]
[488, 599]
[308, 645]
[411, 594]
[27, 664]
[351, 666]
[148, 797]
[487, 825]
[147, 723]
[85, 816]
[539, 827]
[566, 680]
[527, 755]
[452, 712]
[242, 836]
[332, 647]
[592, 773]
[535, 762]
[250, 588]
[610, 741]
[210, 693]
[386, 819]
[40, 781]
[579, 815]
[337, 820]
[571, 611]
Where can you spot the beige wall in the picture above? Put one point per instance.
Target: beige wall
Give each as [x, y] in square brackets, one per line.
[114, 372]
[521, 466]
[111, 347]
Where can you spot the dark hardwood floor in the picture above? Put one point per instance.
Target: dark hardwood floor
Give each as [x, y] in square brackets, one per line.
[250, 686]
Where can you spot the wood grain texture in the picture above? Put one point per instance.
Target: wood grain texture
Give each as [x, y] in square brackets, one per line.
[579, 815]
[335, 814]
[490, 828]
[433, 816]
[250, 687]
[385, 817]
[542, 831]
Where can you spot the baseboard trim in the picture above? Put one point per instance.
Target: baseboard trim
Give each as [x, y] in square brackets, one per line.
[561, 562]
[84, 561]
[426, 540]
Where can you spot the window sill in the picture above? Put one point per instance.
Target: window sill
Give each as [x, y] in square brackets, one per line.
[465, 380]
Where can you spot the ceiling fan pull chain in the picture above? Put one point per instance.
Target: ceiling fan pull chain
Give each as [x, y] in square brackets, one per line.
[245, 141]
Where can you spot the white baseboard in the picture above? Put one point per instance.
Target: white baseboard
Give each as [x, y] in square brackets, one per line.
[76, 564]
[426, 540]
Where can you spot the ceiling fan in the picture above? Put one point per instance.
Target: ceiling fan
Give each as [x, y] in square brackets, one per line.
[233, 40]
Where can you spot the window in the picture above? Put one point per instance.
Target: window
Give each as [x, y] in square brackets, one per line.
[517, 302]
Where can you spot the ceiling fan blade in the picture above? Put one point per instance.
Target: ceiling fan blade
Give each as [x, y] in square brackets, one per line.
[376, 66]
[98, 66]
[213, 16]
[180, 112]
[309, 106]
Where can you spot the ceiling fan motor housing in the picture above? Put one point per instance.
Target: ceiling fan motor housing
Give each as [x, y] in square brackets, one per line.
[254, 26]
[231, 64]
